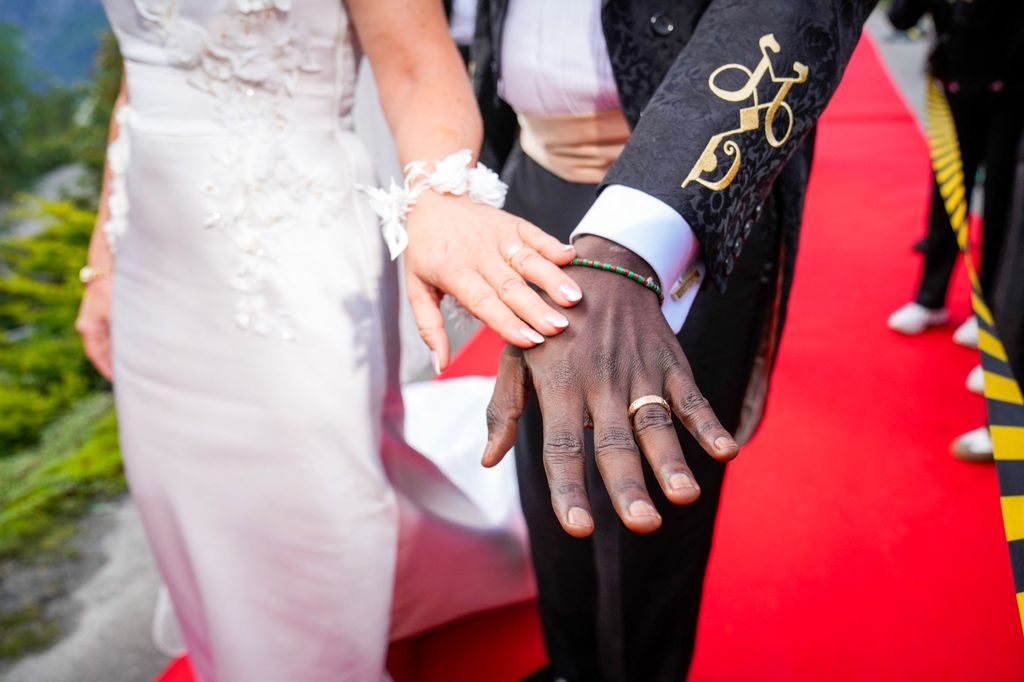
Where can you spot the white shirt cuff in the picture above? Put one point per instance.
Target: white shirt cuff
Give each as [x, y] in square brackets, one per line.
[656, 232]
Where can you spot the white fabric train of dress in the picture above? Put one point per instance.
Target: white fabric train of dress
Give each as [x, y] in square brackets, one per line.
[255, 344]
[455, 514]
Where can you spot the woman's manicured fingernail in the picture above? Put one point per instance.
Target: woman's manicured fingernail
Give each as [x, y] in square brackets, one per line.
[570, 292]
[531, 335]
[641, 508]
[556, 320]
[579, 517]
[435, 361]
[681, 482]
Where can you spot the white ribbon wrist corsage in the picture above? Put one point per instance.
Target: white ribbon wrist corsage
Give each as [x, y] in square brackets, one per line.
[451, 175]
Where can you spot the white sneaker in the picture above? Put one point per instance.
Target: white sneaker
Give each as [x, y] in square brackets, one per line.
[976, 381]
[967, 334]
[973, 446]
[913, 318]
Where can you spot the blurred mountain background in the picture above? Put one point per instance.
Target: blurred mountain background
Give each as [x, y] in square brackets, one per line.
[59, 73]
[59, 36]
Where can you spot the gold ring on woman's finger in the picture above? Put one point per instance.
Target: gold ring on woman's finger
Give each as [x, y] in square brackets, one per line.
[646, 400]
[512, 251]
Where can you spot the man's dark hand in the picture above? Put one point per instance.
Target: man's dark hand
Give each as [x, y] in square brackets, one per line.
[617, 348]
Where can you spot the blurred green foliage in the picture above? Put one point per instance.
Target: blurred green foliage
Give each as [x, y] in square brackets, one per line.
[47, 489]
[43, 369]
[59, 454]
[75, 465]
[45, 124]
[35, 118]
[89, 146]
[26, 629]
[13, 93]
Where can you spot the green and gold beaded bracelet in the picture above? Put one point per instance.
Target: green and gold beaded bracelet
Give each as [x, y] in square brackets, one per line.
[608, 267]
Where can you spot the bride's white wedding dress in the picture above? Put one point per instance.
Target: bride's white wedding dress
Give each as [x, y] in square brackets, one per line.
[255, 358]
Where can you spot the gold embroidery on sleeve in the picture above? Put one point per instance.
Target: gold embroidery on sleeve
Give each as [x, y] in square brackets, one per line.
[750, 116]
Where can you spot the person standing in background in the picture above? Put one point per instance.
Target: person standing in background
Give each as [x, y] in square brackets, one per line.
[1008, 298]
[1009, 294]
[978, 61]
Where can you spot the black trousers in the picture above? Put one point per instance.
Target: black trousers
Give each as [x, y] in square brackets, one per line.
[988, 125]
[620, 606]
[1009, 293]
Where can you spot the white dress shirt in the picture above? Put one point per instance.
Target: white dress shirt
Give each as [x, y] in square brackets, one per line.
[554, 62]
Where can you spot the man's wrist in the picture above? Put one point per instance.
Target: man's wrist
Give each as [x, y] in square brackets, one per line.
[598, 248]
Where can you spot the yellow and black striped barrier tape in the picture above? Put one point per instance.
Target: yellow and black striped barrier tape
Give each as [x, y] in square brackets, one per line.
[1002, 391]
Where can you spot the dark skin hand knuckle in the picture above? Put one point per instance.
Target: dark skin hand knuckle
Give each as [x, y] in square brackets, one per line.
[636, 366]
[692, 403]
[708, 426]
[569, 489]
[559, 376]
[667, 358]
[605, 366]
[630, 486]
[513, 402]
[494, 415]
[614, 438]
[563, 446]
[651, 419]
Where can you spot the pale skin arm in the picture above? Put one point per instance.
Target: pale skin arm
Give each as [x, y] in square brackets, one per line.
[456, 246]
[93, 323]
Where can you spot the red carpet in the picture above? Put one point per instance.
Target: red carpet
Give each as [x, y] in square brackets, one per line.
[851, 546]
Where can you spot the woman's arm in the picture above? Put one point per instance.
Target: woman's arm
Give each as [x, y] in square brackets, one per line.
[93, 323]
[455, 246]
[423, 85]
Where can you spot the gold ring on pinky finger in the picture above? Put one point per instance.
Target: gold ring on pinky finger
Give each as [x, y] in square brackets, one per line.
[512, 251]
[646, 400]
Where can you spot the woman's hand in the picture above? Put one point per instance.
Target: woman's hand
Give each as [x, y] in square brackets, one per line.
[484, 257]
[479, 255]
[93, 325]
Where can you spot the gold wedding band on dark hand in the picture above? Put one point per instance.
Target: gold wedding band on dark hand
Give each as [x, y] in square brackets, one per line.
[644, 401]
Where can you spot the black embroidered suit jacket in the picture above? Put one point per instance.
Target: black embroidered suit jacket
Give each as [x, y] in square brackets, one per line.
[663, 53]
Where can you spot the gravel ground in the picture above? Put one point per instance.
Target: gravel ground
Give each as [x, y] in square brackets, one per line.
[107, 617]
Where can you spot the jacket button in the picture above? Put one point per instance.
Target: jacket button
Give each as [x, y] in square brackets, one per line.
[730, 263]
[662, 24]
[747, 228]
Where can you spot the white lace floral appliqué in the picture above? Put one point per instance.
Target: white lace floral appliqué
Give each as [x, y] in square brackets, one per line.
[250, 59]
[118, 153]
